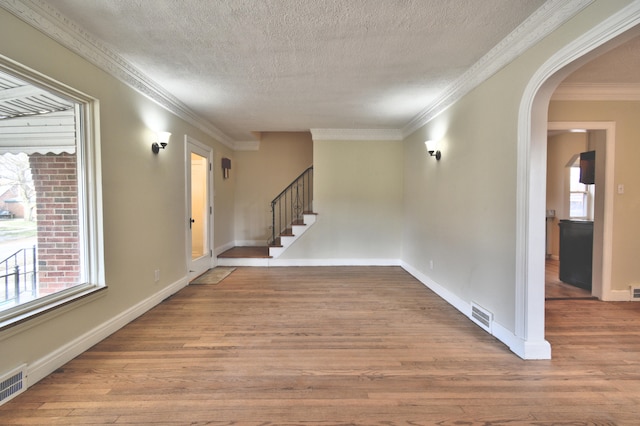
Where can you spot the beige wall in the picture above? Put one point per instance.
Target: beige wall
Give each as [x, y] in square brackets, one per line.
[461, 213]
[626, 206]
[224, 200]
[358, 198]
[143, 199]
[261, 175]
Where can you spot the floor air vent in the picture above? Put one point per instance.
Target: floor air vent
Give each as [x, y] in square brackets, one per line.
[12, 384]
[481, 316]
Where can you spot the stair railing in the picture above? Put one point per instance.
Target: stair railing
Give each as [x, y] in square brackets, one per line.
[289, 206]
[18, 274]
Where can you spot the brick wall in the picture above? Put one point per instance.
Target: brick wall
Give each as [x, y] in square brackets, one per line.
[56, 184]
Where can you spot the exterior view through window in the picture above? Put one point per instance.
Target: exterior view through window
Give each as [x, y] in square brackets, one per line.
[580, 196]
[42, 226]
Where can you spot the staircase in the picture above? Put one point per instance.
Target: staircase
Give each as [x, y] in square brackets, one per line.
[291, 213]
[291, 216]
[289, 235]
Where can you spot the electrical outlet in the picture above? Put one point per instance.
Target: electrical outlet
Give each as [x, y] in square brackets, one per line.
[431, 264]
[156, 275]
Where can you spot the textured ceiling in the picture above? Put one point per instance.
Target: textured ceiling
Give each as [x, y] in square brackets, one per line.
[255, 65]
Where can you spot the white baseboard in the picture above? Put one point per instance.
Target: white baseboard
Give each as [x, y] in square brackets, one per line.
[41, 368]
[230, 261]
[524, 349]
[617, 296]
[250, 243]
[448, 296]
[239, 243]
[224, 247]
[334, 262]
[270, 262]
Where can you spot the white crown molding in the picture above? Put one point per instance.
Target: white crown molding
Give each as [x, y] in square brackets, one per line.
[40, 15]
[356, 135]
[597, 92]
[542, 22]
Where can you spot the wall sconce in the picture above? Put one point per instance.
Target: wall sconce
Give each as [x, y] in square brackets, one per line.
[432, 148]
[163, 141]
[226, 166]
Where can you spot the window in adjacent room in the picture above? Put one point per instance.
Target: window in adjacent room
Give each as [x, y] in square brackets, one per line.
[580, 196]
[49, 194]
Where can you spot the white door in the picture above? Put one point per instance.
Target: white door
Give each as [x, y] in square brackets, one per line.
[199, 207]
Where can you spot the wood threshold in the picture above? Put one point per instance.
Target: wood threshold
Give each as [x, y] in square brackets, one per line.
[257, 252]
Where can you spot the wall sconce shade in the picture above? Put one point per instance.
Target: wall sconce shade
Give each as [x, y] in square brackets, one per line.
[226, 166]
[432, 148]
[163, 141]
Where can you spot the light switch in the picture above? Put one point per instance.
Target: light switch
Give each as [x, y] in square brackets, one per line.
[620, 188]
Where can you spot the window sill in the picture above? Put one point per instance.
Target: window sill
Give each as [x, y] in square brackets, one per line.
[32, 317]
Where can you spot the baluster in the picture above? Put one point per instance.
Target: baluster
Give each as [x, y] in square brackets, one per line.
[34, 279]
[17, 281]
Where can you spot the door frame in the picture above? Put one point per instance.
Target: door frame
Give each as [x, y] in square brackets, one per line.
[603, 224]
[193, 145]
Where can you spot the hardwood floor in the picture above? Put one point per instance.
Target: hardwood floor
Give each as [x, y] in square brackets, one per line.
[556, 289]
[257, 252]
[340, 346]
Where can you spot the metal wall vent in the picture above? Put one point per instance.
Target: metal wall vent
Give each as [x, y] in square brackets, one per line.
[635, 292]
[12, 384]
[481, 316]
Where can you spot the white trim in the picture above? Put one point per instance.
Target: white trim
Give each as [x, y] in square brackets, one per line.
[531, 169]
[542, 22]
[61, 307]
[270, 262]
[224, 247]
[597, 92]
[48, 20]
[620, 296]
[297, 230]
[192, 145]
[250, 243]
[450, 297]
[227, 261]
[54, 360]
[525, 350]
[356, 135]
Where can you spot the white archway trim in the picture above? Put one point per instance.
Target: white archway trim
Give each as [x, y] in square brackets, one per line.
[531, 180]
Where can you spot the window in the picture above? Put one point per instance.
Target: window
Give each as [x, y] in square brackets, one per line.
[580, 196]
[50, 227]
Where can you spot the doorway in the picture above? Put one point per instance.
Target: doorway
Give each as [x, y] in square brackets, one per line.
[199, 207]
[532, 130]
[599, 137]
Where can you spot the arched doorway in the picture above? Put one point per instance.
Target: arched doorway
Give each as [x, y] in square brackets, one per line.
[532, 133]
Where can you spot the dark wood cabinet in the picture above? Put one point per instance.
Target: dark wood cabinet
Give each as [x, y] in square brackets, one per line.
[576, 252]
